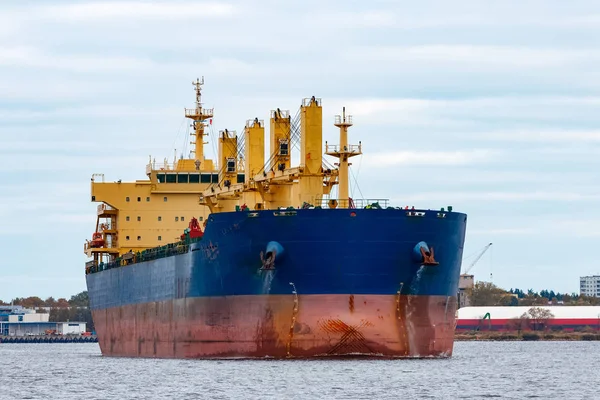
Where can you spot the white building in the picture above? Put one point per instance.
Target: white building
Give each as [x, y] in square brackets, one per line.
[19, 321]
[589, 286]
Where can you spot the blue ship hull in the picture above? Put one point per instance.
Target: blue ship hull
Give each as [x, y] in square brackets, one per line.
[337, 273]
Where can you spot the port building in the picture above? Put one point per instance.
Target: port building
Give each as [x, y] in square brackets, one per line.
[20, 321]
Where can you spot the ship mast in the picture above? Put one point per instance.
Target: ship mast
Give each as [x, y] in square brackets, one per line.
[343, 152]
[199, 115]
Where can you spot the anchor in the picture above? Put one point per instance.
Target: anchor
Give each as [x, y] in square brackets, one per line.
[267, 258]
[428, 258]
[423, 253]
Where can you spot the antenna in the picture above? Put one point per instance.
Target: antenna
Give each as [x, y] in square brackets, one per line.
[198, 84]
[199, 116]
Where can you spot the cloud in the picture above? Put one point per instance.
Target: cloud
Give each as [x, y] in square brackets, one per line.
[503, 231]
[88, 220]
[19, 188]
[387, 159]
[10, 279]
[543, 136]
[38, 90]
[502, 196]
[401, 110]
[589, 227]
[91, 111]
[95, 11]
[31, 57]
[550, 226]
[353, 20]
[53, 163]
[476, 56]
[47, 146]
[56, 223]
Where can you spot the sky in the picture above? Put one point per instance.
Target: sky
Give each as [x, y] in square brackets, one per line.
[491, 107]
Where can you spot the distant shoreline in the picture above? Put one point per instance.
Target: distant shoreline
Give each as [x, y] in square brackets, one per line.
[527, 336]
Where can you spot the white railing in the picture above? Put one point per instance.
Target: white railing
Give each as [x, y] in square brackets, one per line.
[88, 246]
[280, 113]
[251, 123]
[104, 207]
[335, 148]
[338, 120]
[227, 133]
[306, 102]
[154, 166]
[96, 177]
[199, 112]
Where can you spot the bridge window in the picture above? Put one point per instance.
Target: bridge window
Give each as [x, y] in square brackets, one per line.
[139, 199]
[126, 198]
[127, 218]
[159, 218]
[139, 218]
[182, 178]
[139, 238]
[147, 198]
[240, 178]
[194, 178]
[230, 165]
[160, 238]
[171, 178]
[176, 219]
[215, 178]
[182, 218]
[161, 178]
[165, 198]
[126, 237]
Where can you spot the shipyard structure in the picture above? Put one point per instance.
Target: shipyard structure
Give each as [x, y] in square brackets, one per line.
[251, 256]
[512, 318]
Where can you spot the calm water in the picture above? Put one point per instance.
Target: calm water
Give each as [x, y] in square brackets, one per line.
[506, 370]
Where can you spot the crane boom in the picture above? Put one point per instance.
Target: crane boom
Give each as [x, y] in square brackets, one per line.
[485, 248]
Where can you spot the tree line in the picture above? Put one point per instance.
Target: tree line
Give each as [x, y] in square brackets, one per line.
[488, 294]
[61, 310]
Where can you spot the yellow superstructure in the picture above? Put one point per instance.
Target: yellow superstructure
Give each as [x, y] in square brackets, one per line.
[138, 215]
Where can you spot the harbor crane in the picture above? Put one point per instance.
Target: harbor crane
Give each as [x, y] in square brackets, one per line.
[467, 282]
[485, 248]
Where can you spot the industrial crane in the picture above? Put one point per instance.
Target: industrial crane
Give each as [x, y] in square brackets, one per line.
[485, 248]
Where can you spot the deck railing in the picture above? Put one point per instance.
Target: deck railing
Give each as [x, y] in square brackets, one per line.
[199, 112]
[88, 246]
[355, 203]
[154, 253]
[338, 120]
[336, 148]
[104, 207]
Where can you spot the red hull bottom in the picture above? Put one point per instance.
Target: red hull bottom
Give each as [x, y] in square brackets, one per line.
[280, 326]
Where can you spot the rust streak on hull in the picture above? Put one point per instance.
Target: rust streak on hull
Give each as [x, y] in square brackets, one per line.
[280, 326]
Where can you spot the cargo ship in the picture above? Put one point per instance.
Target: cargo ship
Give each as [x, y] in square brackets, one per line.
[251, 257]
